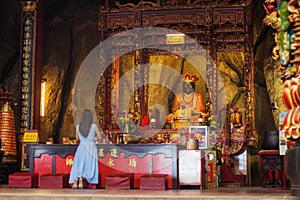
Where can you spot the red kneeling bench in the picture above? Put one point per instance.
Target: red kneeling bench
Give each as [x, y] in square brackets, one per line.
[23, 180]
[54, 181]
[154, 182]
[119, 181]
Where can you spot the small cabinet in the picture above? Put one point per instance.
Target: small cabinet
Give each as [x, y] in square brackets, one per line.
[191, 168]
[272, 169]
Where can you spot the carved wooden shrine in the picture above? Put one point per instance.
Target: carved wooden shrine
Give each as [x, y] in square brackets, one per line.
[218, 26]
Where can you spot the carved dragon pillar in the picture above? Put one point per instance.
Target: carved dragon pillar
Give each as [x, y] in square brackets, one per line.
[284, 17]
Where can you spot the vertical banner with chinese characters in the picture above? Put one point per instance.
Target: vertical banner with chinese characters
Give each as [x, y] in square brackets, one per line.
[28, 65]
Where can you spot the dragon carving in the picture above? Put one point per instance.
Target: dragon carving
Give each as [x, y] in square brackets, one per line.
[284, 17]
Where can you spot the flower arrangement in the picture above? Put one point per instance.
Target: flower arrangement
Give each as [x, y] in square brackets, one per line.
[211, 122]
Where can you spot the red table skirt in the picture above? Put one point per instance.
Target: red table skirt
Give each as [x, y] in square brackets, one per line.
[55, 181]
[154, 182]
[23, 180]
[119, 181]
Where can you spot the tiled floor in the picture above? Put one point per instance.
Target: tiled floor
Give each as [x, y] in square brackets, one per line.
[235, 193]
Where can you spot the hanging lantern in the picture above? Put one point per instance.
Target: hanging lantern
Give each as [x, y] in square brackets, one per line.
[7, 133]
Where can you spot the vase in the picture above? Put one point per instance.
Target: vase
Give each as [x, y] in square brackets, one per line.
[271, 140]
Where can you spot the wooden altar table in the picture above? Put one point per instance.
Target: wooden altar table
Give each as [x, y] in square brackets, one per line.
[139, 159]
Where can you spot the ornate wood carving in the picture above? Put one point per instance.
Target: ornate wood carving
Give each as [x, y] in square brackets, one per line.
[218, 26]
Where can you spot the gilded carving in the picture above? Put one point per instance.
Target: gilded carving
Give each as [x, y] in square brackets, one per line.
[137, 19]
[216, 25]
[170, 4]
[100, 105]
[143, 5]
[137, 108]
[29, 5]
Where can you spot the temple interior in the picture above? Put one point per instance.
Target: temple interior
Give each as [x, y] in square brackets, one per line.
[201, 94]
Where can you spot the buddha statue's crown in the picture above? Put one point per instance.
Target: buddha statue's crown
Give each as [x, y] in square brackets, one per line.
[189, 78]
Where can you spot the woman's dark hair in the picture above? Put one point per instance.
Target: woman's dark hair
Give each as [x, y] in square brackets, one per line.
[85, 123]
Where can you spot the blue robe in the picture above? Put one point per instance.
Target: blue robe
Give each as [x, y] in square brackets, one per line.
[86, 159]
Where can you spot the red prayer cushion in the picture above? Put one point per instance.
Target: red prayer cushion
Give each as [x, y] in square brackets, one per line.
[154, 182]
[119, 181]
[23, 180]
[55, 181]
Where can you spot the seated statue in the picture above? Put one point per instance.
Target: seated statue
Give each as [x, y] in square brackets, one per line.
[189, 104]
